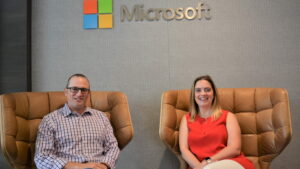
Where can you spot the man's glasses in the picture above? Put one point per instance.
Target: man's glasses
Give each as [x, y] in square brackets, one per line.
[75, 90]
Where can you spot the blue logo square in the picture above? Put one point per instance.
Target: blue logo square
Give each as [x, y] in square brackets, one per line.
[90, 21]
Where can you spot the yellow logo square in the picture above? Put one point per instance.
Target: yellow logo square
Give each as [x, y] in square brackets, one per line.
[105, 21]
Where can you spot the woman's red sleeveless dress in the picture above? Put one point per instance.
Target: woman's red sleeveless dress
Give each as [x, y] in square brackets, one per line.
[207, 137]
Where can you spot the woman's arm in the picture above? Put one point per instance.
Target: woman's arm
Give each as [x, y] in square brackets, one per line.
[187, 155]
[233, 147]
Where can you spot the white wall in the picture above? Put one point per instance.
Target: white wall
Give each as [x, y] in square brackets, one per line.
[249, 43]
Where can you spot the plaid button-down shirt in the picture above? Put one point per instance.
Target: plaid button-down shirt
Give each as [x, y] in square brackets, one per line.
[65, 136]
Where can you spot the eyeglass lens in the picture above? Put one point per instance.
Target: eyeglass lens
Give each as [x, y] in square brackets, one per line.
[76, 89]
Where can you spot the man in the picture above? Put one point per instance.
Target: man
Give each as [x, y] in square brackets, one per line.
[76, 136]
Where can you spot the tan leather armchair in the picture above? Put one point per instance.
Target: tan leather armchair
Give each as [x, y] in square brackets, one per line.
[263, 115]
[21, 114]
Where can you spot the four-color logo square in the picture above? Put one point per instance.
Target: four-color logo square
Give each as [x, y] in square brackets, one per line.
[97, 14]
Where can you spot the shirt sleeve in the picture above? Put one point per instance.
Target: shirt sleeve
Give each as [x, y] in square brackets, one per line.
[110, 144]
[45, 153]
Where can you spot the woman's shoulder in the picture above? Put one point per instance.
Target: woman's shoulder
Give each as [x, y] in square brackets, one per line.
[187, 115]
[228, 116]
[226, 113]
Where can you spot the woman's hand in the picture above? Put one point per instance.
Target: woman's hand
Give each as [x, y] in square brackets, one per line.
[201, 165]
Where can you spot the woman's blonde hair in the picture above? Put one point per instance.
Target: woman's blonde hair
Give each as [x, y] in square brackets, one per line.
[216, 108]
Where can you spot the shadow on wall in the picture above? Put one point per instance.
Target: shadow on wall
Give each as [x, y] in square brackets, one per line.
[169, 159]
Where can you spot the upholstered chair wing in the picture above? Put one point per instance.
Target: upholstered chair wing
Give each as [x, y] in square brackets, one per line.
[21, 114]
[263, 115]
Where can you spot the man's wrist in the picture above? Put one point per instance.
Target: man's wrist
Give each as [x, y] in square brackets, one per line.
[106, 165]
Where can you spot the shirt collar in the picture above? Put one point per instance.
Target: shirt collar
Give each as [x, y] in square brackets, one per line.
[66, 111]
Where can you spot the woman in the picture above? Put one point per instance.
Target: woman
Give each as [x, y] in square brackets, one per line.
[209, 137]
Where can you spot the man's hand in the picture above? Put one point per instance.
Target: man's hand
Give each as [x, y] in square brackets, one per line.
[73, 165]
[99, 166]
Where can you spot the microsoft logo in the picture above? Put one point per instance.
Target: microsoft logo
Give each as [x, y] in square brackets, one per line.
[97, 14]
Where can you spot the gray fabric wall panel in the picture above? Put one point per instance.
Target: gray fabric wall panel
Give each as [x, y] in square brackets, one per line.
[245, 44]
[15, 49]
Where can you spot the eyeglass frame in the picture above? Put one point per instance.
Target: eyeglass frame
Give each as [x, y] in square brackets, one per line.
[75, 90]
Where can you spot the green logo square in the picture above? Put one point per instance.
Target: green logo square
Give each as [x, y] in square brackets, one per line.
[105, 6]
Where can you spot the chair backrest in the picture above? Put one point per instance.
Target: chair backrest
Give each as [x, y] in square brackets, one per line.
[263, 115]
[21, 114]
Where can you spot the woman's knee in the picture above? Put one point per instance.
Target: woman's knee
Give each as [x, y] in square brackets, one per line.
[224, 164]
[209, 167]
